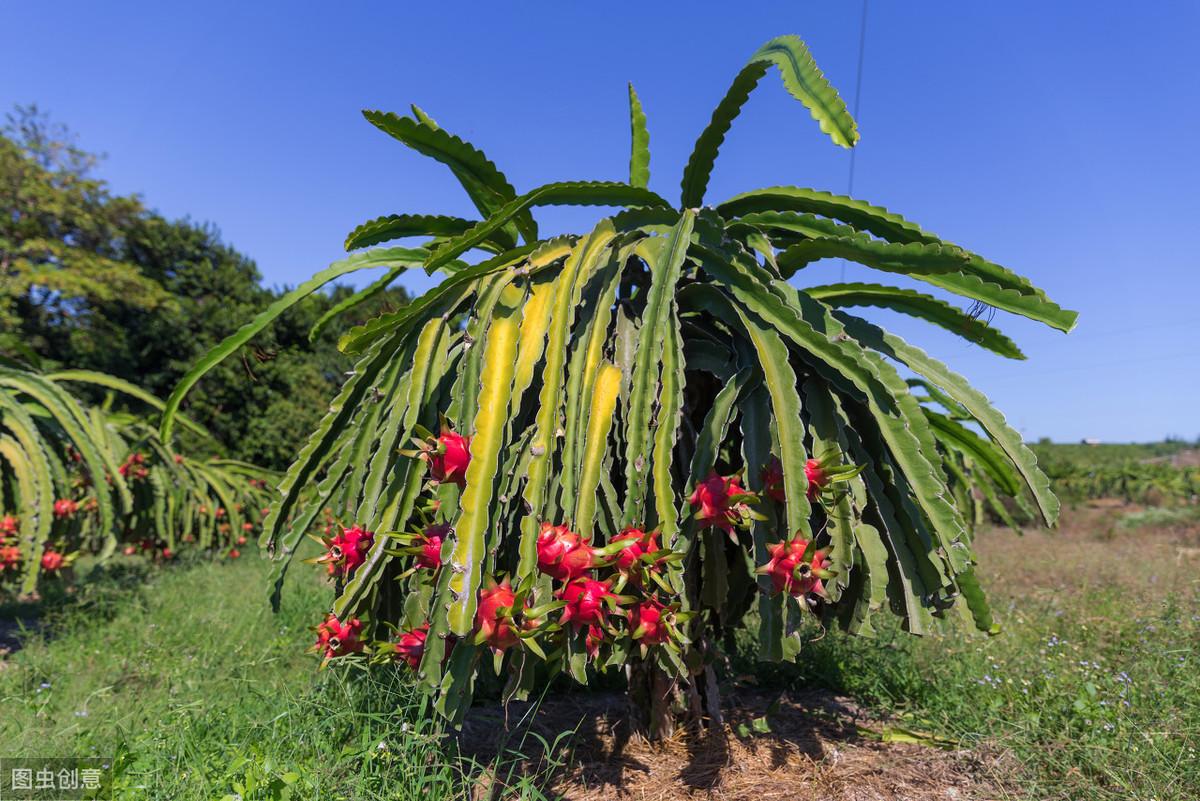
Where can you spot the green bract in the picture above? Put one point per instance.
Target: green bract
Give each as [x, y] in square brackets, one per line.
[603, 377]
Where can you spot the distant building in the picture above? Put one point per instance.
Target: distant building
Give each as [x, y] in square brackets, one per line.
[1090, 441]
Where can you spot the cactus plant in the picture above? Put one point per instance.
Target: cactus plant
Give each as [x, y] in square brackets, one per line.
[679, 379]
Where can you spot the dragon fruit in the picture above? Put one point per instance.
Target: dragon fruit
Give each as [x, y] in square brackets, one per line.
[448, 456]
[8, 525]
[772, 479]
[336, 638]
[65, 508]
[716, 501]
[410, 646]
[629, 559]
[234, 553]
[648, 624]
[347, 551]
[10, 557]
[586, 600]
[431, 539]
[562, 554]
[496, 628]
[789, 573]
[814, 473]
[52, 561]
[817, 478]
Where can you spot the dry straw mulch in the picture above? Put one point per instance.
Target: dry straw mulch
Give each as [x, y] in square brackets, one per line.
[815, 749]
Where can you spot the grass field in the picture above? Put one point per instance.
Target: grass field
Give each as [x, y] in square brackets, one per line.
[1092, 691]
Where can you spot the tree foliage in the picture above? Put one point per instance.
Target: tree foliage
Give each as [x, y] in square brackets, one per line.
[93, 280]
[639, 435]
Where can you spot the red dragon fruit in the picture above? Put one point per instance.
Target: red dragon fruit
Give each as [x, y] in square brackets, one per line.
[10, 557]
[65, 508]
[234, 553]
[814, 473]
[431, 539]
[817, 479]
[591, 643]
[347, 551]
[410, 646]
[646, 621]
[789, 573]
[242, 540]
[585, 602]
[562, 554]
[247, 526]
[772, 479]
[52, 561]
[8, 526]
[716, 501]
[335, 638]
[448, 456]
[496, 628]
[629, 559]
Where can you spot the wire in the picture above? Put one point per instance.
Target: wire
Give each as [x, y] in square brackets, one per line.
[862, 49]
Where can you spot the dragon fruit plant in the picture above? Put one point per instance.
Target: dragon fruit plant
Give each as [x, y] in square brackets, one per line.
[80, 480]
[648, 429]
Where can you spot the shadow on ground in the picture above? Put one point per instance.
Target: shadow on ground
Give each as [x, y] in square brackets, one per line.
[819, 746]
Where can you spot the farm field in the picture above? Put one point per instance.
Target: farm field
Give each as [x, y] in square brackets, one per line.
[1090, 691]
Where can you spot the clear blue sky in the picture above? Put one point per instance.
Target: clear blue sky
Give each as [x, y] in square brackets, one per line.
[1058, 138]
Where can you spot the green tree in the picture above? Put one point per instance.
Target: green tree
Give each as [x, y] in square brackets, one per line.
[97, 281]
[61, 238]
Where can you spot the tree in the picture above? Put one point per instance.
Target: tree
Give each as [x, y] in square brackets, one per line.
[61, 248]
[97, 281]
[626, 440]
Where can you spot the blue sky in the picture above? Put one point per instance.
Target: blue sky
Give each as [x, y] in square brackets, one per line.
[1056, 138]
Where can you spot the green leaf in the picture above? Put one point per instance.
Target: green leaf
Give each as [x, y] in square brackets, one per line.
[487, 437]
[229, 345]
[975, 402]
[604, 401]
[120, 385]
[987, 455]
[397, 226]
[571, 193]
[639, 152]
[487, 187]
[665, 257]
[803, 80]
[926, 307]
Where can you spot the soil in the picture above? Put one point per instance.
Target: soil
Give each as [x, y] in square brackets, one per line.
[819, 746]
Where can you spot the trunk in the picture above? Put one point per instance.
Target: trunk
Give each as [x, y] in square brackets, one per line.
[659, 704]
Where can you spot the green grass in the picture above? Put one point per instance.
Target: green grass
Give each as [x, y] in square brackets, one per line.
[1092, 687]
[199, 692]
[1092, 691]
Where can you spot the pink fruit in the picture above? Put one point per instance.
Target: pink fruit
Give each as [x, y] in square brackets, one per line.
[585, 602]
[816, 478]
[772, 479]
[715, 501]
[496, 626]
[430, 557]
[448, 458]
[52, 561]
[410, 647]
[562, 554]
[787, 570]
[646, 621]
[10, 556]
[629, 560]
[8, 525]
[335, 638]
[167, 553]
[234, 553]
[241, 540]
[247, 527]
[64, 508]
[347, 551]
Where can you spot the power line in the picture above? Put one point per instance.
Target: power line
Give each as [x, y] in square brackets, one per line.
[862, 48]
